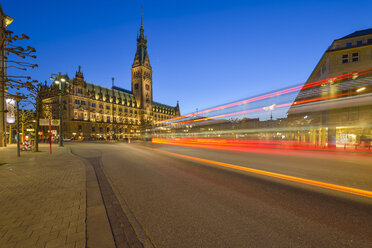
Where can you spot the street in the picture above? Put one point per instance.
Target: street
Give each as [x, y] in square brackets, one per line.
[179, 202]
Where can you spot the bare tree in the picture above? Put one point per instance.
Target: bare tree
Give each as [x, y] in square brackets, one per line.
[37, 93]
[12, 55]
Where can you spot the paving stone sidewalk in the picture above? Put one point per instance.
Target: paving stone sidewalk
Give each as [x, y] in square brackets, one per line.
[42, 199]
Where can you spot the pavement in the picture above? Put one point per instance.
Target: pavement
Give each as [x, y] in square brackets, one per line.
[42, 199]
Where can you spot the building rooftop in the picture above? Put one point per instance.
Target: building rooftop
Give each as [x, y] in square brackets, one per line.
[357, 33]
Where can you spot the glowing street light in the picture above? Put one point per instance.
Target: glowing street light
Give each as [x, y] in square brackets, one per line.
[62, 79]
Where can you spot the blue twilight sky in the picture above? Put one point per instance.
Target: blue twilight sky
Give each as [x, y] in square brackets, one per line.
[203, 53]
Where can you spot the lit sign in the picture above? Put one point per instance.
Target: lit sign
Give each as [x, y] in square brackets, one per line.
[10, 107]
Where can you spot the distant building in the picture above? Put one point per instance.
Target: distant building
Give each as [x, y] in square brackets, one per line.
[96, 112]
[336, 101]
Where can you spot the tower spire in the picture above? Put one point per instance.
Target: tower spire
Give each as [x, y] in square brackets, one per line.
[141, 19]
[142, 30]
[141, 57]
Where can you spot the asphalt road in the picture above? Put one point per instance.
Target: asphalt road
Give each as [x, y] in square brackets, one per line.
[187, 203]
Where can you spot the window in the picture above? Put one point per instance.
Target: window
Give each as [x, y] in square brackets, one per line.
[120, 110]
[359, 43]
[135, 112]
[93, 129]
[355, 57]
[93, 105]
[108, 118]
[125, 110]
[345, 58]
[77, 101]
[108, 107]
[369, 41]
[80, 91]
[131, 111]
[136, 86]
[114, 108]
[147, 87]
[349, 44]
[101, 106]
[114, 119]
[82, 102]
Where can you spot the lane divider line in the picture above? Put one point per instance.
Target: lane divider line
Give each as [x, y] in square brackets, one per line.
[319, 184]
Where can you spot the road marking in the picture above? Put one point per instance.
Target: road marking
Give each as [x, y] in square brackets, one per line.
[335, 187]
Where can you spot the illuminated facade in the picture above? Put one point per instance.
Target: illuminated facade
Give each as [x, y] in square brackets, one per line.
[95, 112]
[343, 112]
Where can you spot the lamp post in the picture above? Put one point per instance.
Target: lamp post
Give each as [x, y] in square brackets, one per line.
[59, 82]
[17, 97]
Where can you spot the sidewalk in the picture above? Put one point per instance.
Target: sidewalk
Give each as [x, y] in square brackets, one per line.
[42, 199]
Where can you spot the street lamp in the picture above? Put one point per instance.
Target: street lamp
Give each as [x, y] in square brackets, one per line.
[17, 97]
[59, 82]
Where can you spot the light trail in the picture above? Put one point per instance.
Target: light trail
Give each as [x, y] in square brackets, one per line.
[263, 108]
[277, 93]
[258, 146]
[319, 184]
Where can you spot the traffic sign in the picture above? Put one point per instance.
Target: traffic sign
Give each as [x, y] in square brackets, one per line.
[45, 122]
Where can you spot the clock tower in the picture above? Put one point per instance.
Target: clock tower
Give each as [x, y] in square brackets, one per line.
[142, 75]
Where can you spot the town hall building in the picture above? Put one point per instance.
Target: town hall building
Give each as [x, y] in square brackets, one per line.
[91, 111]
